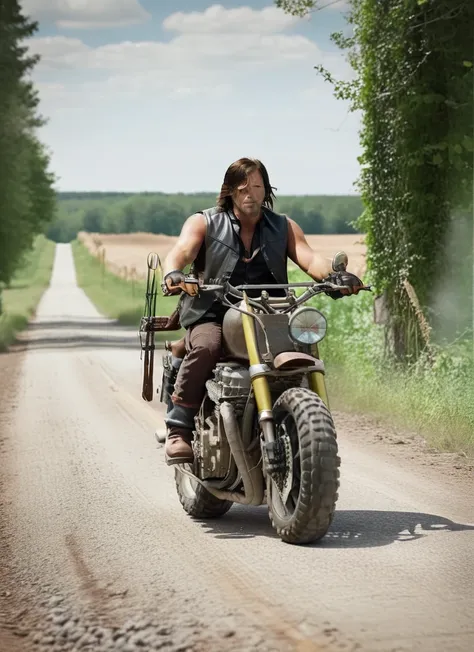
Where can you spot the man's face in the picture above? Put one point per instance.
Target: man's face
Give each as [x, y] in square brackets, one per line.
[248, 197]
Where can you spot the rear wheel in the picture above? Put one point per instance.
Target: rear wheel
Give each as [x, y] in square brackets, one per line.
[196, 500]
[302, 498]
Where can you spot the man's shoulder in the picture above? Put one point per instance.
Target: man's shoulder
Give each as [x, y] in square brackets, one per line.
[208, 212]
[205, 212]
[213, 210]
[210, 219]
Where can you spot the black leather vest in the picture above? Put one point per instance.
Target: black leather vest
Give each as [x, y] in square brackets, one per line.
[220, 252]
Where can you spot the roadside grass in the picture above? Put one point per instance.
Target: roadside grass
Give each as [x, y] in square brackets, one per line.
[115, 297]
[435, 402]
[20, 299]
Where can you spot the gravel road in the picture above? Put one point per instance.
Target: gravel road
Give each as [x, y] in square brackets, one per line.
[97, 554]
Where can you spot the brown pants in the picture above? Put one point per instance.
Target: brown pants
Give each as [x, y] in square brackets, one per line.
[203, 350]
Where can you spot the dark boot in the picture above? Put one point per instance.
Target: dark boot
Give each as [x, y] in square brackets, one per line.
[180, 423]
[178, 449]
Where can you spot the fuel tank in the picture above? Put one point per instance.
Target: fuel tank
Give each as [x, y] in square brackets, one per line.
[276, 328]
[233, 333]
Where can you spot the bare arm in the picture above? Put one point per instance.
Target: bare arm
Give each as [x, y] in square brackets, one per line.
[301, 253]
[187, 247]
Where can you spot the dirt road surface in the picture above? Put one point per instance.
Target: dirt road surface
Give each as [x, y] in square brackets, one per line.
[97, 554]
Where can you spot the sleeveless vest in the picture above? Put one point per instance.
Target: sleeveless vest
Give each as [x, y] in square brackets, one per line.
[220, 252]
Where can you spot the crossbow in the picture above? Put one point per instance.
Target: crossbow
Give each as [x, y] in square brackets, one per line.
[150, 324]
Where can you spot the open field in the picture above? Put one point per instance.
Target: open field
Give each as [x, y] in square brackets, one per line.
[126, 254]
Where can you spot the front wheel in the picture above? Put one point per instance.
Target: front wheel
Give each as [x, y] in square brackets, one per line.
[302, 497]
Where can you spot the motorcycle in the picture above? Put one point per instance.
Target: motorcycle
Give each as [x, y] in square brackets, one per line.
[264, 431]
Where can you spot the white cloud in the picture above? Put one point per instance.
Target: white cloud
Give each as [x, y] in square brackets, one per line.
[187, 62]
[87, 14]
[257, 38]
[190, 60]
[163, 114]
[58, 52]
[218, 20]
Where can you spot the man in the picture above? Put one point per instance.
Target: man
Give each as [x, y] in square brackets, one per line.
[241, 240]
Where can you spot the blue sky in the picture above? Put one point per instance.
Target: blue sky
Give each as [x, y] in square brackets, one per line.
[164, 94]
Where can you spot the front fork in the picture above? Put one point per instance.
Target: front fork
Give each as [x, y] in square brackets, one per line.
[316, 380]
[273, 452]
[260, 385]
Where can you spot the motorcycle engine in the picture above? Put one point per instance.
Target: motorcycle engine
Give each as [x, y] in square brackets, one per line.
[231, 383]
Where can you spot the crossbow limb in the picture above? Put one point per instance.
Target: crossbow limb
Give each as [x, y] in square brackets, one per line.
[150, 324]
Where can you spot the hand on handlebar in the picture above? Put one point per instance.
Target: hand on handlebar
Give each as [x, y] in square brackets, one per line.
[171, 282]
[351, 281]
[175, 282]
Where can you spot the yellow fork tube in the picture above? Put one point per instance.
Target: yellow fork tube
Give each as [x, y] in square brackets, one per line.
[318, 385]
[317, 382]
[260, 385]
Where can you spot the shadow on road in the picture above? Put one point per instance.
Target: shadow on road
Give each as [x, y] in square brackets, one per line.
[77, 342]
[79, 333]
[350, 528]
[81, 324]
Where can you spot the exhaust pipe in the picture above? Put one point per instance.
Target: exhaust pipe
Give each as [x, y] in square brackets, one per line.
[252, 478]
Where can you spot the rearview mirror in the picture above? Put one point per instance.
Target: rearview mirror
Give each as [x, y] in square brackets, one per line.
[339, 262]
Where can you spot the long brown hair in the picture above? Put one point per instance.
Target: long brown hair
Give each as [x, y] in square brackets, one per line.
[236, 174]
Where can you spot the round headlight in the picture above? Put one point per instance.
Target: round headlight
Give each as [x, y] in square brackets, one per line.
[307, 326]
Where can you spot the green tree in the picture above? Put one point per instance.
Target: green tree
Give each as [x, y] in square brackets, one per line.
[93, 220]
[27, 198]
[413, 61]
[161, 213]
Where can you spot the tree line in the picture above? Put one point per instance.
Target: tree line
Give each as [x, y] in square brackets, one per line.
[166, 213]
[27, 195]
[413, 63]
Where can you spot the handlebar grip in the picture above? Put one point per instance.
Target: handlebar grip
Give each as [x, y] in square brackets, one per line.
[190, 286]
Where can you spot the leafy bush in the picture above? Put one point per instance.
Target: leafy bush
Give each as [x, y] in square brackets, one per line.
[434, 397]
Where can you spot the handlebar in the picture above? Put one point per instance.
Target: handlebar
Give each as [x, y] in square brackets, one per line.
[324, 286]
[312, 287]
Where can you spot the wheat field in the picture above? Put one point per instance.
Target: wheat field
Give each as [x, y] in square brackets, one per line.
[126, 254]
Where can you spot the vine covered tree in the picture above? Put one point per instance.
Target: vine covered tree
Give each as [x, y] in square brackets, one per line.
[413, 61]
[27, 197]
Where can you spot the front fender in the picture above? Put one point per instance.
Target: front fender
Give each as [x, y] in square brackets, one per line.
[293, 359]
